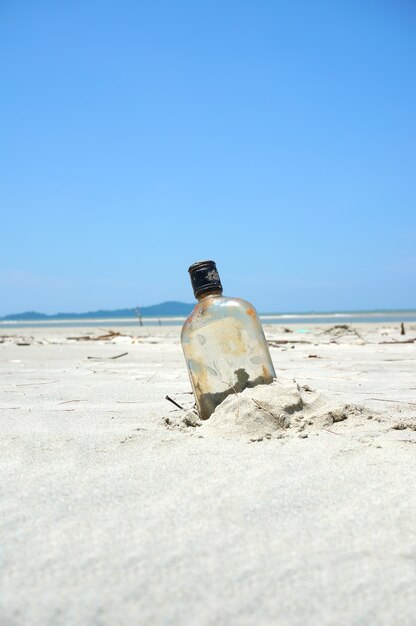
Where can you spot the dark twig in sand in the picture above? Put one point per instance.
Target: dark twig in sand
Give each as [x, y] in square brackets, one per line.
[397, 341]
[275, 343]
[175, 403]
[402, 330]
[188, 420]
[99, 358]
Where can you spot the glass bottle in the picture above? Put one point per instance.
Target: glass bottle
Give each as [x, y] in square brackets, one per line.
[223, 342]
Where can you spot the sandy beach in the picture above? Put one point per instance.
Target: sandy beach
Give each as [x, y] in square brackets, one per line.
[114, 511]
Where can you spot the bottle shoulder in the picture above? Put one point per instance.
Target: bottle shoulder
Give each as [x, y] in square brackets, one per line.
[210, 309]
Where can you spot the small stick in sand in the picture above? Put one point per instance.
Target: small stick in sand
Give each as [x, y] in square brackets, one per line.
[238, 404]
[395, 401]
[175, 403]
[118, 355]
[99, 358]
[402, 330]
[394, 342]
[152, 376]
[236, 395]
[278, 419]
[49, 382]
[333, 432]
[276, 343]
[183, 409]
[139, 315]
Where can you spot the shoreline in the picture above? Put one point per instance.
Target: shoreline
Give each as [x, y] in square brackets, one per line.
[381, 317]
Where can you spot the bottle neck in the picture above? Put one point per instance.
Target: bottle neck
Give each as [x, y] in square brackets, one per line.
[209, 294]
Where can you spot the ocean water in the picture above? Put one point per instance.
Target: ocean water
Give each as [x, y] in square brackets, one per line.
[361, 317]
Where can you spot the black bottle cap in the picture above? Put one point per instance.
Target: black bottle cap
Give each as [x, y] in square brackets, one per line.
[204, 277]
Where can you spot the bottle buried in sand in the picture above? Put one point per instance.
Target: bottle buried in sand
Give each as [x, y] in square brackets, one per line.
[223, 342]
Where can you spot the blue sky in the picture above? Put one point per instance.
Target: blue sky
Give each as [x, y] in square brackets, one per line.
[276, 137]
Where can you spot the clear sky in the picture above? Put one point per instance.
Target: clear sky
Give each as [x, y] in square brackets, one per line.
[276, 137]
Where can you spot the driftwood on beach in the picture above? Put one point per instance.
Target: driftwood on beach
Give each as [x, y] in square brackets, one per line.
[111, 334]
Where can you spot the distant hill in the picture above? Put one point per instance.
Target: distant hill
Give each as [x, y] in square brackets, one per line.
[165, 309]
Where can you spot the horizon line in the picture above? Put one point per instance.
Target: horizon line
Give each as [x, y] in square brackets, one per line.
[310, 312]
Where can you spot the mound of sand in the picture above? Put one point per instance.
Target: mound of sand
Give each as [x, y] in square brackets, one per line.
[278, 410]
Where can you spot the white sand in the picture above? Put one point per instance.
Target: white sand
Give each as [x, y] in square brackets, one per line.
[109, 516]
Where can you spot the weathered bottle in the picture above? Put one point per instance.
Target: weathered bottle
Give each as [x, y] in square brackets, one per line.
[223, 342]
